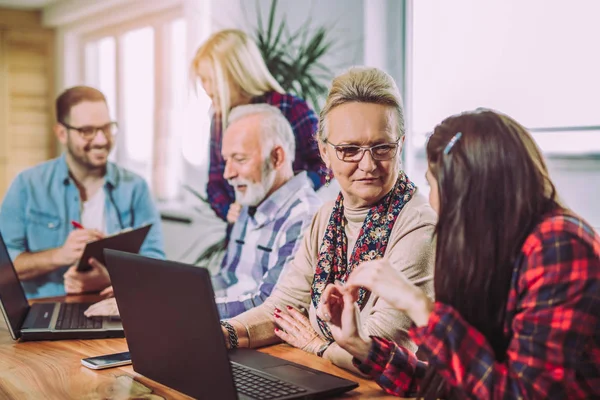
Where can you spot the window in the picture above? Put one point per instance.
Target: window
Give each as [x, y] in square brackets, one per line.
[100, 67]
[137, 86]
[534, 60]
[143, 69]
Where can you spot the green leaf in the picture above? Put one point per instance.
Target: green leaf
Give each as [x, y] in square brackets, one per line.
[271, 20]
[259, 28]
[294, 57]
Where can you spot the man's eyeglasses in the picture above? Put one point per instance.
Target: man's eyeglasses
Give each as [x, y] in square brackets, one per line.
[89, 132]
[352, 153]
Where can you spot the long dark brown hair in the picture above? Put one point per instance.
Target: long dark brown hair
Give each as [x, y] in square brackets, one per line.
[494, 188]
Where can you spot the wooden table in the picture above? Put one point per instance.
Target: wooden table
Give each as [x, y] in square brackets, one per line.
[52, 370]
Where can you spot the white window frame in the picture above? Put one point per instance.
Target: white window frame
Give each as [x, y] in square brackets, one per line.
[162, 95]
[413, 154]
[77, 22]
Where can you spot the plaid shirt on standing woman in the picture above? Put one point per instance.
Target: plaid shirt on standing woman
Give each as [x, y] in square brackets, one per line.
[552, 320]
[304, 123]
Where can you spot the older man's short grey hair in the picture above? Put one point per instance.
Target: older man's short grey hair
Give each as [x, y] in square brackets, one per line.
[275, 129]
[362, 85]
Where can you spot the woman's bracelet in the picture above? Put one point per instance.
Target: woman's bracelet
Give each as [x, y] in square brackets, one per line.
[233, 337]
[323, 348]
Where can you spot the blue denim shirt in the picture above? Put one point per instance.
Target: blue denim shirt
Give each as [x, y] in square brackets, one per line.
[42, 201]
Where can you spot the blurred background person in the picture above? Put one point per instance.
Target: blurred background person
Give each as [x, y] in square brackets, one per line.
[47, 205]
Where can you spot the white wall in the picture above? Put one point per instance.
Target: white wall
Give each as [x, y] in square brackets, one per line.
[345, 18]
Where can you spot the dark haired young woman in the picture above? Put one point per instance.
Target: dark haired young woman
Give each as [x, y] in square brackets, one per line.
[517, 279]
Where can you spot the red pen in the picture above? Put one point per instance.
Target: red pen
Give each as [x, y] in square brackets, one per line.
[77, 225]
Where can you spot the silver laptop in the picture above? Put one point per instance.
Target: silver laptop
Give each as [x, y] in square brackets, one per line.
[46, 321]
[174, 336]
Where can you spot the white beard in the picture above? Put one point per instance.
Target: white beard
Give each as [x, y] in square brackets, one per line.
[255, 191]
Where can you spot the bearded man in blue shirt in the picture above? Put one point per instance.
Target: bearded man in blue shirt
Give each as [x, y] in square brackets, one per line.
[53, 209]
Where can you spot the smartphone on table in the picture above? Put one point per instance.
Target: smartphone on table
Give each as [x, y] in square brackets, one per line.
[107, 360]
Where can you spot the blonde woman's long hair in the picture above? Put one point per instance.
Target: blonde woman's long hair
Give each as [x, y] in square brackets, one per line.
[235, 58]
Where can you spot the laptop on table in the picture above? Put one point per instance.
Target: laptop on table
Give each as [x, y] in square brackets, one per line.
[46, 321]
[174, 336]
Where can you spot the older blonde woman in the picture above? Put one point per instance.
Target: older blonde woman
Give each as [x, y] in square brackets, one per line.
[378, 214]
[232, 72]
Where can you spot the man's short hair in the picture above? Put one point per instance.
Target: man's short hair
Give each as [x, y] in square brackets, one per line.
[275, 129]
[73, 96]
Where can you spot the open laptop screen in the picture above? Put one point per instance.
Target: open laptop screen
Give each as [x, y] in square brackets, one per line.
[12, 297]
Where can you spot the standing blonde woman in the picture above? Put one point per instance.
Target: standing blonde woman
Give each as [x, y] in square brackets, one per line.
[233, 73]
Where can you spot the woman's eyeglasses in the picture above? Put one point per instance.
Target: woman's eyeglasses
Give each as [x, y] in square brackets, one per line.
[89, 132]
[352, 153]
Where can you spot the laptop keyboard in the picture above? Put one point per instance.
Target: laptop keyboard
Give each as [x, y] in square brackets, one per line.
[254, 385]
[70, 316]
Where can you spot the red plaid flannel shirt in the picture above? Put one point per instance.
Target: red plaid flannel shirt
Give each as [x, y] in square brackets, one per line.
[304, 123]
[553, 320]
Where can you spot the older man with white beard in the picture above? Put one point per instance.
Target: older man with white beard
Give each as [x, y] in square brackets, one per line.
[277, 207]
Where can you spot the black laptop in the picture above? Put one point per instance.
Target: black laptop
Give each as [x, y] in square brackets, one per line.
[174, 336]
[46, 321]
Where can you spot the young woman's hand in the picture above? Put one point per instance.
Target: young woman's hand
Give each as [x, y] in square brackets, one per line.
[339, 309]
[391, 285]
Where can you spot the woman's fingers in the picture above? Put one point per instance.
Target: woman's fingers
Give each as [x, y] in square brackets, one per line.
[336, 305]
[352, 288]
[350, 318]
[369, 275]
[289, 322]
[331, 292]
[299, 318]
[360, 276]
[330, 296]
[283, 335]
[284, 321]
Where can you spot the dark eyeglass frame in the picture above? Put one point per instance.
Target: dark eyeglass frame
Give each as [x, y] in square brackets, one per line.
[362, 149]
[89, 132]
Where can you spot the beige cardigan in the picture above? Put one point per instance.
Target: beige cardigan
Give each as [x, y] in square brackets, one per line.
[410, 249]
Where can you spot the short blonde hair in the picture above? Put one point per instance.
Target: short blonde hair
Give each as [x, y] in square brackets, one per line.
[235, 58]
[362, 85]
[275, 129]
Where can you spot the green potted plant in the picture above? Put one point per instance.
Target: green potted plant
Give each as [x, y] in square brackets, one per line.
[295, 58]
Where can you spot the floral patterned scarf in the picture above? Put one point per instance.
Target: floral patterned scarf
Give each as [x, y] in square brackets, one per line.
[332, 264]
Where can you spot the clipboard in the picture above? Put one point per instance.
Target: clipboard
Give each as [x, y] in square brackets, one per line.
[128, 240]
